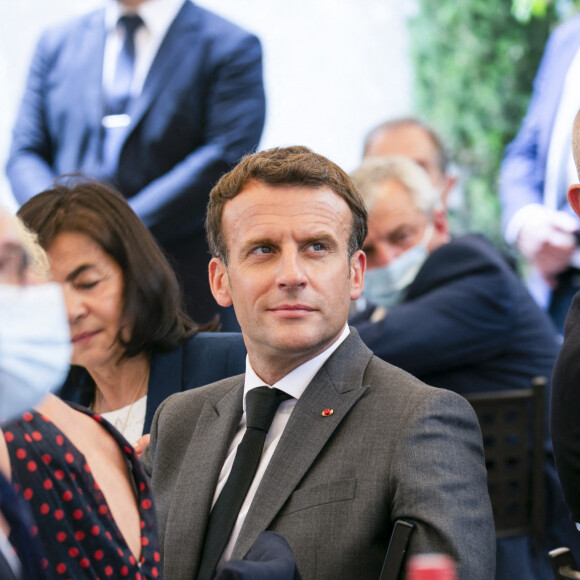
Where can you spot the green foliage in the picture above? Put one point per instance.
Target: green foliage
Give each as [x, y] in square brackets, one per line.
[524, 10]
[474, 67]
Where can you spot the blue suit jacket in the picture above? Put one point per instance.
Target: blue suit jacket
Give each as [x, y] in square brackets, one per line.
[28, 548]
[202, 359]
[202, 107]
[523, 168]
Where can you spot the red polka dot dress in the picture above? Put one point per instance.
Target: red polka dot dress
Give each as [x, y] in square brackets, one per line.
[79, 535]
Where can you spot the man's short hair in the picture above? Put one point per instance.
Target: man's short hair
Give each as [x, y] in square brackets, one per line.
[374, 172]
[442, 158]
[294, 166]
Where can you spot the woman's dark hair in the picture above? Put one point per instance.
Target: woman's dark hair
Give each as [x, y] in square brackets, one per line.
[151, 309]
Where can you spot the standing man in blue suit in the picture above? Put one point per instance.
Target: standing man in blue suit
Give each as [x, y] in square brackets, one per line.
[160, 108]
[536, 172]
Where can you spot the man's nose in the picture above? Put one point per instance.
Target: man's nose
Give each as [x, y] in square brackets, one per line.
[291, 272]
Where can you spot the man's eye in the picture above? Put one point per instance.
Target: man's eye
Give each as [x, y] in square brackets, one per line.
[12, 268]
[262, 250]
[402, 237]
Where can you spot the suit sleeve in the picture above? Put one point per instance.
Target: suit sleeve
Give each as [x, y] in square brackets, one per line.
[440, 479]
[148, 456]
[464, 308]
[234, 120]
[29, 167]
[565, 411]
[521, 181]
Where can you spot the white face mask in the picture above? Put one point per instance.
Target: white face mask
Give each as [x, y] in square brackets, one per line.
[35, 347]
[384, 286]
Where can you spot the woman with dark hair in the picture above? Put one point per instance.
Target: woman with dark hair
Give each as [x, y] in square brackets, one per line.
[133, 345]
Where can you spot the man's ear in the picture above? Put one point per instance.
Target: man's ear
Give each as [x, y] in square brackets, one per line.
[219, 282]
[440, 230]
[450, 181]
[440, 222]
[358, 265]
[574, 197]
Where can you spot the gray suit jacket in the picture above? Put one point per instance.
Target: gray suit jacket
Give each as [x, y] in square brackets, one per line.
[393, 448]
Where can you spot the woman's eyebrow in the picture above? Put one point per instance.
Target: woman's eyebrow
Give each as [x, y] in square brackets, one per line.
[78, 271]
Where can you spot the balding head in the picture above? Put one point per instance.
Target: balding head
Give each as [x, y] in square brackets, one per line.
[409, 137]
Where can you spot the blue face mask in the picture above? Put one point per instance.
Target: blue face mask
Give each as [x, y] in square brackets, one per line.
[35, 347]
[384, 286]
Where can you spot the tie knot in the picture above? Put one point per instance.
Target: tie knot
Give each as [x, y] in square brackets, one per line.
[261, 406]
[130, 23]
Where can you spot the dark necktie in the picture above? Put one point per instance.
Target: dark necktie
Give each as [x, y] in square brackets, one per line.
[115, 120]
[120, 90]
[261, 406]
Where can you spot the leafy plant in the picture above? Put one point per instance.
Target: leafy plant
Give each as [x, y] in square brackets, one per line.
[475, 61]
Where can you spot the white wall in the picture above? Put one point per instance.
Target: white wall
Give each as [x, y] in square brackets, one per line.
[332, 68]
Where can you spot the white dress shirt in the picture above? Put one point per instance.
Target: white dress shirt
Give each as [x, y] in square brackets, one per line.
[157, 16]
[294, 384]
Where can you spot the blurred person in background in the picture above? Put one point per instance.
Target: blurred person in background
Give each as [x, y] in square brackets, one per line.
[132, 344]
[456, 301]
[410, 137]
[454, 314]
[159, 98]
[535, 174]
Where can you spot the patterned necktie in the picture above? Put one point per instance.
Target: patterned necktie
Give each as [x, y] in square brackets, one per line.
[115, 121]
[120, 90]
[261, 406]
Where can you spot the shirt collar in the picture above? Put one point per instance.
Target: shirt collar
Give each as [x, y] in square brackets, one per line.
[296, 381]
[156, 14]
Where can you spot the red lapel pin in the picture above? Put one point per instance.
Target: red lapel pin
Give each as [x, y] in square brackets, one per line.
[327, 412]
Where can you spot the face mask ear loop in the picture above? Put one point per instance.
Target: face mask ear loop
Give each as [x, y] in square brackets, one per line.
[427, 234]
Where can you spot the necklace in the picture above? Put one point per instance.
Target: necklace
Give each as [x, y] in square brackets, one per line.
[133, 401]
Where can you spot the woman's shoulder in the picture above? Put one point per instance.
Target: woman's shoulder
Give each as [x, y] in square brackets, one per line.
[211, 356]
[216, 344]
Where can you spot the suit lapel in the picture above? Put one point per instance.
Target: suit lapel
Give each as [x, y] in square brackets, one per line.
[181, 33]
[336, 386]
[198, 476]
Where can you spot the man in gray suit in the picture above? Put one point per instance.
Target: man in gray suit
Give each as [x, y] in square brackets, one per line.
[359, 444]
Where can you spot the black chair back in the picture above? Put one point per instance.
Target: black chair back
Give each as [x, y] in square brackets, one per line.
[397, 551]
[513, 429]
